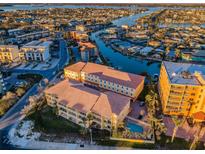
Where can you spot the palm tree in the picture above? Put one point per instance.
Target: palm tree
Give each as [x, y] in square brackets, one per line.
[177, 123]
[156, 123]
[36, 103]
[197, 135]
[89, 120]
[178, 53]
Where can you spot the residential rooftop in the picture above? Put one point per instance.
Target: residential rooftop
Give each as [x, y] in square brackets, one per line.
[38, 44]
[183, 73]
[77, 67]
[112, 75]
[108, 74]
[75, 95]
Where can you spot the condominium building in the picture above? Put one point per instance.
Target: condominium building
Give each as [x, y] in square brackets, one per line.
[35, 51]
[87, 51]
[32, 36]
[9, 53]
[80, 28]
[2, 84]
[79, 35]
[75, 101]
[182, 89]
[106, 78]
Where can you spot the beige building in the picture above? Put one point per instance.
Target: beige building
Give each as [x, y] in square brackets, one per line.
[106, 78]
[35, 51]
[75, 102]
[80, 28]
[9, 53]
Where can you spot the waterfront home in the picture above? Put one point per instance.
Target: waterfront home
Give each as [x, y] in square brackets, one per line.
[146, 50]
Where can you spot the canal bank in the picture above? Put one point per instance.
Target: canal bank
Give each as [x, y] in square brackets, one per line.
[123, 62]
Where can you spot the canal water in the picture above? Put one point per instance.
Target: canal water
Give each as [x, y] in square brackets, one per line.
[122, 62]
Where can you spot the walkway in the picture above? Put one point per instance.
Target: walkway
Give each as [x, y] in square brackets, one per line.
[66, 146]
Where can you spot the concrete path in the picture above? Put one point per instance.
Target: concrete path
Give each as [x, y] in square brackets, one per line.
[41, 145]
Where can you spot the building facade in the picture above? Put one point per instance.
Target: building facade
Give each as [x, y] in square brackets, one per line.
[9, 53]
[104, 77]
[182, 89]
[75, 102]
[2, 85]
[79, 35]
[35, 51]
[87, 51]
[32, 36]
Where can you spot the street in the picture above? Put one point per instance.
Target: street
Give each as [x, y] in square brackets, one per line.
[13, 115]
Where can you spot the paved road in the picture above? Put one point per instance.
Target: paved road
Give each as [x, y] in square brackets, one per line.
[41, 145]
[13, 115]
[64, 59]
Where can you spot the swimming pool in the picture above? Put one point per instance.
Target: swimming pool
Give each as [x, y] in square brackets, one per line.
[134, 127]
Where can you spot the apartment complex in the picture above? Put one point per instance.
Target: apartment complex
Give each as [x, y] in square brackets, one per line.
[2, 84]
[35, 51]
[105, 77]
[32, 36]
[75, 102]
[9, 53]
[87, 51]
[79, 35]
[80, 28]
[182, 89]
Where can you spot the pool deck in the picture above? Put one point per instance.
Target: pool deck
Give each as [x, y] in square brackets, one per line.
[135, 113]
[136, 109]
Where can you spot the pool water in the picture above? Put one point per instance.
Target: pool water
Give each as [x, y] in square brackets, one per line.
[134, 127]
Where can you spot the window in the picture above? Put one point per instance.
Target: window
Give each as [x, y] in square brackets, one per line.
[62, 109]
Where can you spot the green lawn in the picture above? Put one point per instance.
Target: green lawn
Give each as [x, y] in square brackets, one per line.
[47, 121]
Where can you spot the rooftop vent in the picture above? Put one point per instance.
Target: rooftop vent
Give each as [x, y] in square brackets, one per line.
[186, 75]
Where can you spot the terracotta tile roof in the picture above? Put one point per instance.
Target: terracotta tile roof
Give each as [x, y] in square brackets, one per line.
[74, 95]
[109, 74]
[110, 103]
[77, 67]
[199, 116]
[87, 44]
[84, 99]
